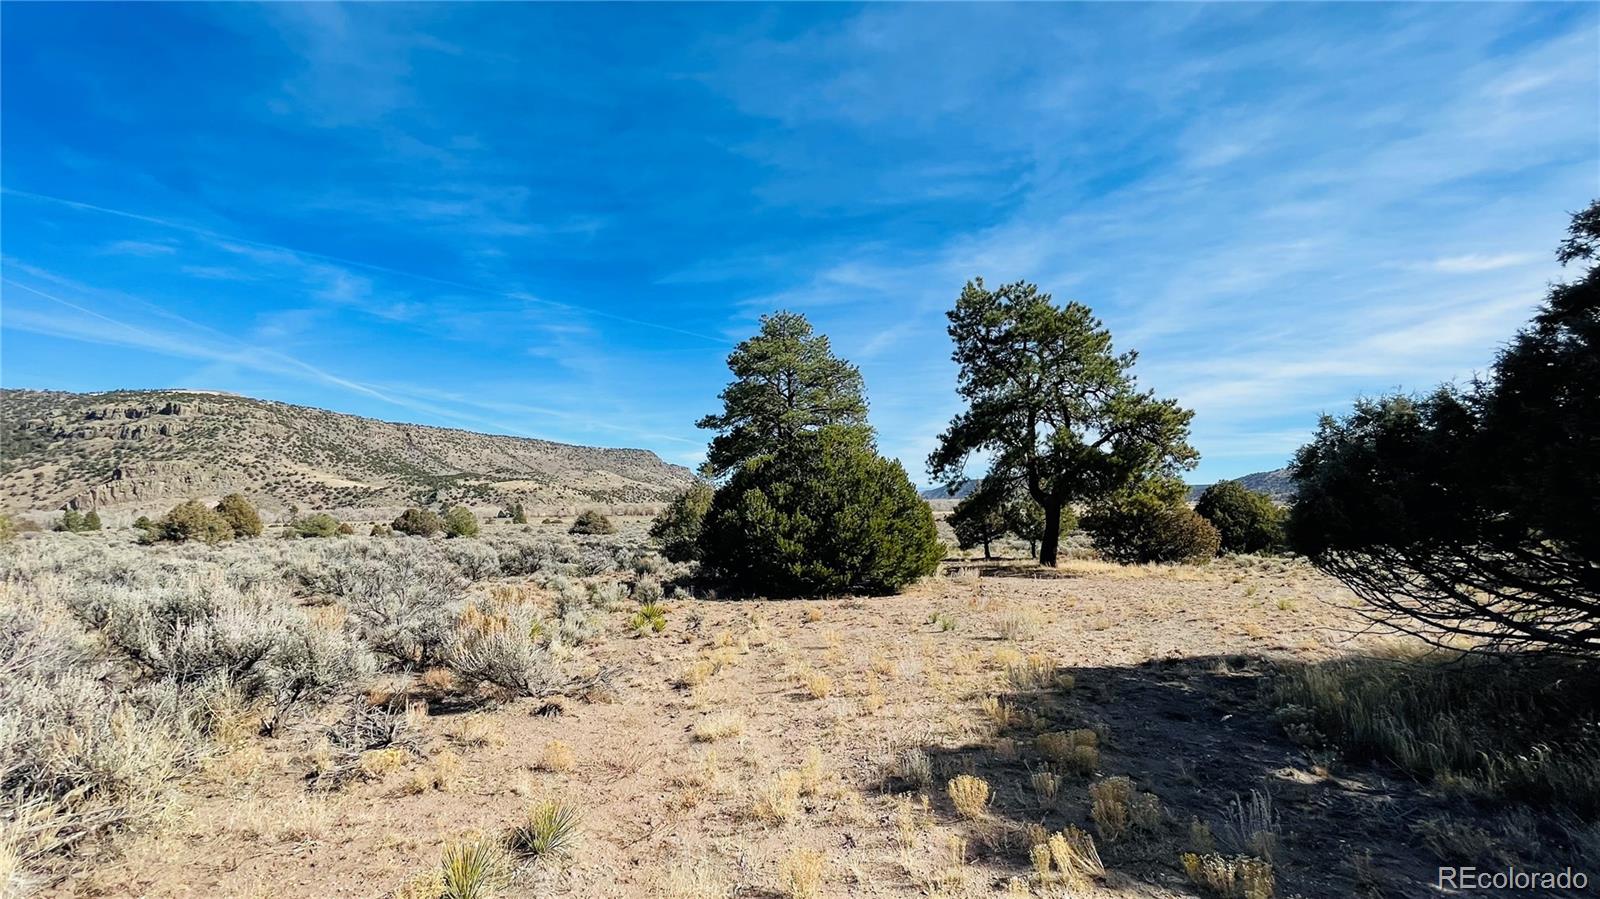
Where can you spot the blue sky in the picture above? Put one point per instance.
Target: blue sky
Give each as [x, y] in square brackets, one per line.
[554, 221]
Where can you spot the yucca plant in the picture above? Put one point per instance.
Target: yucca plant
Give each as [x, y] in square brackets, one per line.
[475, 868]
[550, 828]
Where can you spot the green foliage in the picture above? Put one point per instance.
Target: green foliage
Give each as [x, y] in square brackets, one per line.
[787, 383]
[240, 515]
[550, 828]
[193, 520]
[825, 514]
[1471, 511]
[1248, 522]
[1053, 405]
[517, 514]
[592, 521]
[651, 617]
[418, 522]
[1152, 524]
[460, 522]
[75, 522]
[381, 530]
[320, 524]
[980, 519]
[8, 528]
[1025, 518]
[144, 523]
[475, 868]
[677, 529]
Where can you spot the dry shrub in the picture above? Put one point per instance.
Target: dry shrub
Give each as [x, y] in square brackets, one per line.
[999, 712]
[1238, 877]
[699, 878]
[718, 726]
[800, 873]
[377, 764]
[1032, 673]
[1068, 857]
[811, 772]
[779, 799]
[440, 775]
[476, 730]
[1020, 623]
[1251, 826]
[817, 684]
[1045, 786]
[558, 757]
[914, 768]
[1109, 807]
[969, 795]
[1075, 751]
[696, 673]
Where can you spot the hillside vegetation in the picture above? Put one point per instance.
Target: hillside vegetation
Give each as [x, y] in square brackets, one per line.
[139, 451]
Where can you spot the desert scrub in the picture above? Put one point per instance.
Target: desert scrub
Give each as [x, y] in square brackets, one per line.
[969, 795]
[1511, 727]
[1068, 857]
[501, 647]
[651, 618]
[1074, 752]
[548, 828]
[800, 873]
[475, 867]
[1229, 878]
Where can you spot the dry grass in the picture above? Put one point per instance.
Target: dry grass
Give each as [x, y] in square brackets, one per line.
[800, 873]
[817, 684]
[969, 795]
[1229, 878]
[778, 800]
[1512, 728]
[719, 726]
[558, 757]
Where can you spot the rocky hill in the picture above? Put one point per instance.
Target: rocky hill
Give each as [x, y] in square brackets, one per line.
[1275, 483]
[142, 451]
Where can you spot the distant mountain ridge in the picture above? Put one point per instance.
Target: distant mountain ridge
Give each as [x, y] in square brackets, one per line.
[145, 450]
[962, 492]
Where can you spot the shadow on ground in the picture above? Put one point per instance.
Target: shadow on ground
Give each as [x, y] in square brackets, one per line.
[1198, 732]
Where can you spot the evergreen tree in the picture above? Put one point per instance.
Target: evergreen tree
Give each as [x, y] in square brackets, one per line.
[823, 515]
[241, 515]
[1471, 512]
[677, 528]
[1053, 405]
[460, 522]
[1249, 522]
[980, 519]
[418, 522]
[786, 382]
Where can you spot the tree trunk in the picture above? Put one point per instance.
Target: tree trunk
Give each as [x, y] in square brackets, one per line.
[1051, 536]
[986, 556]
[1033, 549]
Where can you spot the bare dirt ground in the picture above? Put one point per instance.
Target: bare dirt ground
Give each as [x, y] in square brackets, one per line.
[751, 729]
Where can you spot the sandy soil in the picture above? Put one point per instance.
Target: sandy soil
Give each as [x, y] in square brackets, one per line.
[1165, 664]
